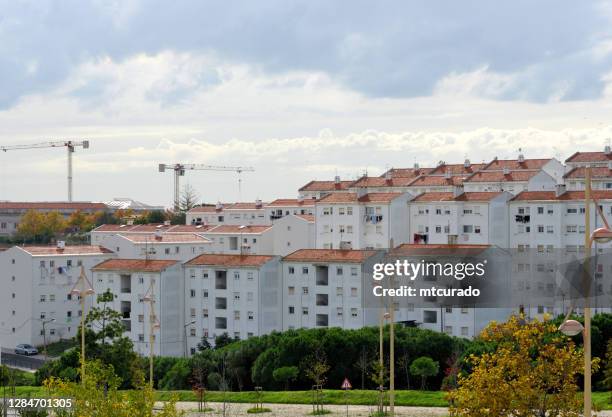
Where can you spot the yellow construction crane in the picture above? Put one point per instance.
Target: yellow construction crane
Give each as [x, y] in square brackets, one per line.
[179, 171]
[68, 144]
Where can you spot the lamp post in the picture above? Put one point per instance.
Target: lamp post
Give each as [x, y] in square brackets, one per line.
[185, 333]
[153, 325]
[44, 323]
[571, 327]
[82, 292]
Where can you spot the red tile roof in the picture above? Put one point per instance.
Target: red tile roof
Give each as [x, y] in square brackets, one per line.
[189, 228]
[230, 260]
[207, 208]
[408, 249]
[68, 250]
[52, 205]
[437, 180]
[382, 182]
[291, 202]
[151, 228]
[244, 206]
[165, 238]
[590, 157]
[566, 196]
[522, 175]
[407, 172]
[434, 196]
[469, 196]
[596, 172]
[236, 229]
[326, 186]
[329, 255]
[456, 169]
[308, 217]
[134, 265]
[514, 164]
[352, 198]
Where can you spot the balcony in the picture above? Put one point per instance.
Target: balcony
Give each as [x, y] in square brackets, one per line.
[373, 218]
[322, 300]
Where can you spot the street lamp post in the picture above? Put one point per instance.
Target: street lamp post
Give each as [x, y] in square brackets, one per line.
[44, 323]
[571, 327]
[185, 333]
[82, 292]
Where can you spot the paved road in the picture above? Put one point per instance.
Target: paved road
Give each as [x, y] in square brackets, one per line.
[9, 358]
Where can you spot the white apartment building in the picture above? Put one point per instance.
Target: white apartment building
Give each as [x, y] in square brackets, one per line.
[235, 294]
[284, 236]
[413, 172]
[593, 159]
[158, 245]
[282, 207]
[512, 181]
[100, 233]
[601, 178]
[232, 214]
[384, 184]
[547, 220]
[369, 221]
[323, 288]
[318, 189]
[36, 285]
[11, 212]
[454, 320]
[133, 282]
[467, 218]
[447, 182]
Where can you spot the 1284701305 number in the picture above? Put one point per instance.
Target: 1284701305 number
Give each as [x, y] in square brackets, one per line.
[38, 403]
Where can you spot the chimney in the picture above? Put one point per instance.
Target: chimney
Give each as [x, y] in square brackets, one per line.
[337, 180]
[61, 245]
[219, 206]
[258, 203]
[559, 189]
[607, 150]
[166, 222]
[506, 171]
[448, 174]
[466, 163]
[388, 177]
[300, 198]
[130, 222]
[416, 165]
[158, 235]
[521, 157]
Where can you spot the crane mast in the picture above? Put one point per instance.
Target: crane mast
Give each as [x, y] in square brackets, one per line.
[179, 171]
[68, 144]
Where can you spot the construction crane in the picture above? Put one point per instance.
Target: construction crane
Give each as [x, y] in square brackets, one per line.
[179, 171]
[68, 144]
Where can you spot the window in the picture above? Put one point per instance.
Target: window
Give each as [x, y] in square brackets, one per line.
[448, 310]
[550, 229]
[438, 229]
[291, 270]
[540, 228]
[305, 290]
[167, 251]
[51, 297]
[468, 228]
[354, 271]
[305, 270]
[339, 270]
[249, 296]
[339, 311]
[464, 310]
[192, 332]
[305, 311]
[205, 313]
[349, 211]
[353, 292]
[467, 211]
[251, 315]
[477, 229]
[236, 314]
[192, 293]
[349, 229]
[43, 298]
[204, 293]
[354, 312]
[141, 318]
[291, 290]
[291, 310]
[236, 275]
[236, 296]
[192, 312]
[341, 211]
[204, 274]
[464, 331]
[250, 275]
[540, 210]
[571, 228]
[448, 329]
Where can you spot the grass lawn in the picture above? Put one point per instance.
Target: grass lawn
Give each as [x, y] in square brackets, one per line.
[602, 400]
[57, 348]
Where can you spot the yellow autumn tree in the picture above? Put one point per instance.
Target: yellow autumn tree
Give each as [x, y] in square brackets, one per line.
[98, 395]
[528, 369]
[81, 222]
[39, 227]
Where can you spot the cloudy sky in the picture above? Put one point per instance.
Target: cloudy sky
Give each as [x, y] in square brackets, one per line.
[299, 90]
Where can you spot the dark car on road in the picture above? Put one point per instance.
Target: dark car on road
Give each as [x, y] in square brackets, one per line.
[25, 349]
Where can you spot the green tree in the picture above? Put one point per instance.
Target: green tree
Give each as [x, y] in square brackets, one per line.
[39, 227]
[424, 367]
[188, 199]
[156, 216]
[104, 320]
[285, 375]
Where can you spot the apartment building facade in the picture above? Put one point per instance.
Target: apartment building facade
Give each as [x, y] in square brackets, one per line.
[149, 294]
[369, 221]
[36, 285]
[235, 294]
[229, 213]
[324, 288]
[315, 190]
[158, 245]
[466, 218]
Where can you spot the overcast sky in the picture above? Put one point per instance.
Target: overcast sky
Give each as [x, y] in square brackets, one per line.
[299, 90]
